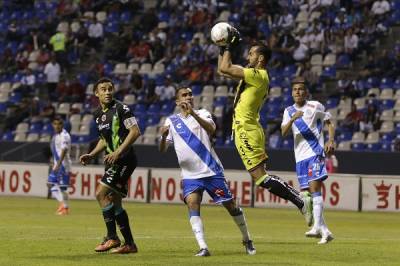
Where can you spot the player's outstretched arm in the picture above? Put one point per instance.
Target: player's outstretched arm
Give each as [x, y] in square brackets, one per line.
[85, 158]
[228, 69]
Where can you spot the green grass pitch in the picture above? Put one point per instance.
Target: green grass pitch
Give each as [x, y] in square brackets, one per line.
[31, 234]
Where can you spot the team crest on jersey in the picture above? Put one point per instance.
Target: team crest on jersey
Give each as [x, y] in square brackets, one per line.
[103, 118]
[309, 171]
[219, 192]
[308, 112]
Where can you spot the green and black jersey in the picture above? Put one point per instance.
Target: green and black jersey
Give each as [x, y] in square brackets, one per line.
[113, 125]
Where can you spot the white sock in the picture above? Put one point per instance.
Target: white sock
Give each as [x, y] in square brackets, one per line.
[240, 221]
[318, 208]
[198, 231]
[65, 198]
[56, 192]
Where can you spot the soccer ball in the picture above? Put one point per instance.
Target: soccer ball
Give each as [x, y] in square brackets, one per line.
[219, 33]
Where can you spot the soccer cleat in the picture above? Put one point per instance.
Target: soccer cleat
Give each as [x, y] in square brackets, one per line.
[107, 244]
[63, 211]
[250, 249]
[203, 253]
[326, 238]
[307, 209]
[316, 233]
[60, 207]
[125, 249]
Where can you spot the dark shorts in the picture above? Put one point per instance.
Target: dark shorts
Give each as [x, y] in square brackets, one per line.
[117, 175]
[215, 186]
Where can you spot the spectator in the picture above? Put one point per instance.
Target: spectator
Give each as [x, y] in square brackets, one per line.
[371, 120]
[166, 92]
[28, 82]
[136, 82]
[96, 35]
[380, 7]
[300, 52]
[58, 41]
[52, 71]
[353, 119]
[285, 21]
[350, 43]
[396, 145]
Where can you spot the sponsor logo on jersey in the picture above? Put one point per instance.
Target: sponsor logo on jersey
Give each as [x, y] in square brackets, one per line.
[104, 126]
[103, 118]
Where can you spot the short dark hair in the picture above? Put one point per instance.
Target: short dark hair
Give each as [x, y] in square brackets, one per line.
[103, 80]
[299, 80]
[180, 88]
[263, 50]
[58, 118]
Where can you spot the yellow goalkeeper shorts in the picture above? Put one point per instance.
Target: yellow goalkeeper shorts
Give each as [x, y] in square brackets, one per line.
[250, 143]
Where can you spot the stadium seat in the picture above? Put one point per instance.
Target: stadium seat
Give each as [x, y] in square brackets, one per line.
[329, 60]
[333, 112]
[129, 99]
[372, 137]
[396, 116]
[345, 136]
[316, 60]
[386, 94]
[87, 119]
[5, 87]
[221, 91]
[20, 137]
[387, 137]
[101, 16]
[196, 101]
[287, 144]
[358, 146]
[158, 68]
[219, 111]
[386, 127]
[149, 140]
[360, 103]
[32, 137]
[153, 109]
[302, 16]
[358, 137]
[386, 83]
[386, 147]
[275, 91]
[373, 147]
[120, 69]
[387, 115]
[386, 104]
[208, 91]
[151, 131]
[22, 128]
[332, 103]
[145, 68]
[63, 108]
[344, 146]
[131, 67]
[7, 136]
[329, 72]
[317, 70]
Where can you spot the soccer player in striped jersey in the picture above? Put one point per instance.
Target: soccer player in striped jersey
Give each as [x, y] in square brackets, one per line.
[59, 176]
[190, 132]
[118, 130]
[306, 119]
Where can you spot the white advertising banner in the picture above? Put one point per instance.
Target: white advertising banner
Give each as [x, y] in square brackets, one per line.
[381, 193]
[166, 186]
[85, 179]
[338, 191]
[23, 179]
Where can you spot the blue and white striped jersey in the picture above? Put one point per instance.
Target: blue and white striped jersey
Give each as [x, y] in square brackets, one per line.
[192, 144]
[307, 130]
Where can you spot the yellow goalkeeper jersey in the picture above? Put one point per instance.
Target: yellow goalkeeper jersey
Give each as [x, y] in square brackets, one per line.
[250, 97]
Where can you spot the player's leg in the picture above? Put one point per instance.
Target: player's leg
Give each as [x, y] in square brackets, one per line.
[192, 195]
[240, 220]
[276, 186]
[193, 201]
[108, 210]
[122, 220]
[64, 183]
[319, 228]
[52, 182]
[250, 144]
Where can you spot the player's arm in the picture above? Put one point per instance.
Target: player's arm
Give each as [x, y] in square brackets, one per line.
[59, 162]
[228, 69]
[285, 128]
[100, 146]
[163, 146]
[219, 69]
[330, 145]
[208, 126]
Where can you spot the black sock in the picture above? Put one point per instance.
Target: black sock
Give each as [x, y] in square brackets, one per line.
[282, 189]
[123, 223]
[109, 220]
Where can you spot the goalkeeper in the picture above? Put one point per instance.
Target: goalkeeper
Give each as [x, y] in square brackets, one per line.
[248, 134]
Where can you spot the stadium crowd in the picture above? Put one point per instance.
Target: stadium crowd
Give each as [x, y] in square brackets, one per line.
[51, 53]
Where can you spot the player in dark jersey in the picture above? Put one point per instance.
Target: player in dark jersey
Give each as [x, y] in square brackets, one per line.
[118, 129]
